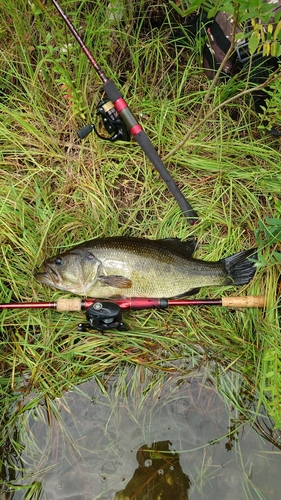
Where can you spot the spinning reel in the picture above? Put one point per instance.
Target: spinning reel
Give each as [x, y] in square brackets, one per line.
[112, 122]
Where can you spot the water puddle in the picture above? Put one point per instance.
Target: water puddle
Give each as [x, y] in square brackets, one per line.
[146, 436]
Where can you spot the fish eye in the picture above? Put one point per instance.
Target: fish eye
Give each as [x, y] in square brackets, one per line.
[90, 256]
[58, 261]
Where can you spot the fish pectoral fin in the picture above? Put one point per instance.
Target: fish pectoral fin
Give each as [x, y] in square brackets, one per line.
[115, 281]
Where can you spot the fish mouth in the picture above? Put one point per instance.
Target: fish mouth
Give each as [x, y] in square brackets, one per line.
[48, 276]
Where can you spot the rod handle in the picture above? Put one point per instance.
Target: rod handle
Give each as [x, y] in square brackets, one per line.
[64, 305]
[152, 154]
[250, 301]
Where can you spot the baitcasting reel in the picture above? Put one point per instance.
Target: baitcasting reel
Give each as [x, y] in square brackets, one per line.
[112, 122]
[103, 316]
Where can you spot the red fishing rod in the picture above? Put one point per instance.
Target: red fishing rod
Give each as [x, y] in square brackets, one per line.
[132, 125]
[107, 314]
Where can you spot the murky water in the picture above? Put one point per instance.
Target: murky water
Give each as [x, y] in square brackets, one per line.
[148, 437]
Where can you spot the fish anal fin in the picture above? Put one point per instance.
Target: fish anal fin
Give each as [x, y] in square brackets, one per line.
[115, 281]
[193, 291]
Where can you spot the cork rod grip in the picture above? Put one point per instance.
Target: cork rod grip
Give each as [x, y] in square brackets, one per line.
[64, 305]
[250, 301]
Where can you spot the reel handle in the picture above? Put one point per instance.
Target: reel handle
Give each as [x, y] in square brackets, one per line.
[83, 132]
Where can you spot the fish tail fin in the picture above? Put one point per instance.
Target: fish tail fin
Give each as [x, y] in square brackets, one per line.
[240, 267]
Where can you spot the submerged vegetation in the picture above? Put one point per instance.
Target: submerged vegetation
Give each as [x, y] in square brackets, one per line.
[57, 191]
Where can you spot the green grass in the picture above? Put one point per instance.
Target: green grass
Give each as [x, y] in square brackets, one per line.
[56, 192]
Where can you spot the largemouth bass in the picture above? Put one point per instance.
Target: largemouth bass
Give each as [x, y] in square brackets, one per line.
[134, 267]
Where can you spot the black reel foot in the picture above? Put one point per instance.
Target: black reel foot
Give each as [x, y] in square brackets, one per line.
[103, 316]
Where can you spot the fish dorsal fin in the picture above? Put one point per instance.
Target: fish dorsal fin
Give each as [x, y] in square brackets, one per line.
[186, 248]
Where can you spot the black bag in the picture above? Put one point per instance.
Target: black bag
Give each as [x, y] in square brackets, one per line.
[219, 39]
[218, 33]
[219, 36]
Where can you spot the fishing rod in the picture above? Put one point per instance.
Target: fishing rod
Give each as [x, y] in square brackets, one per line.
[116, 100]
[104, 315]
